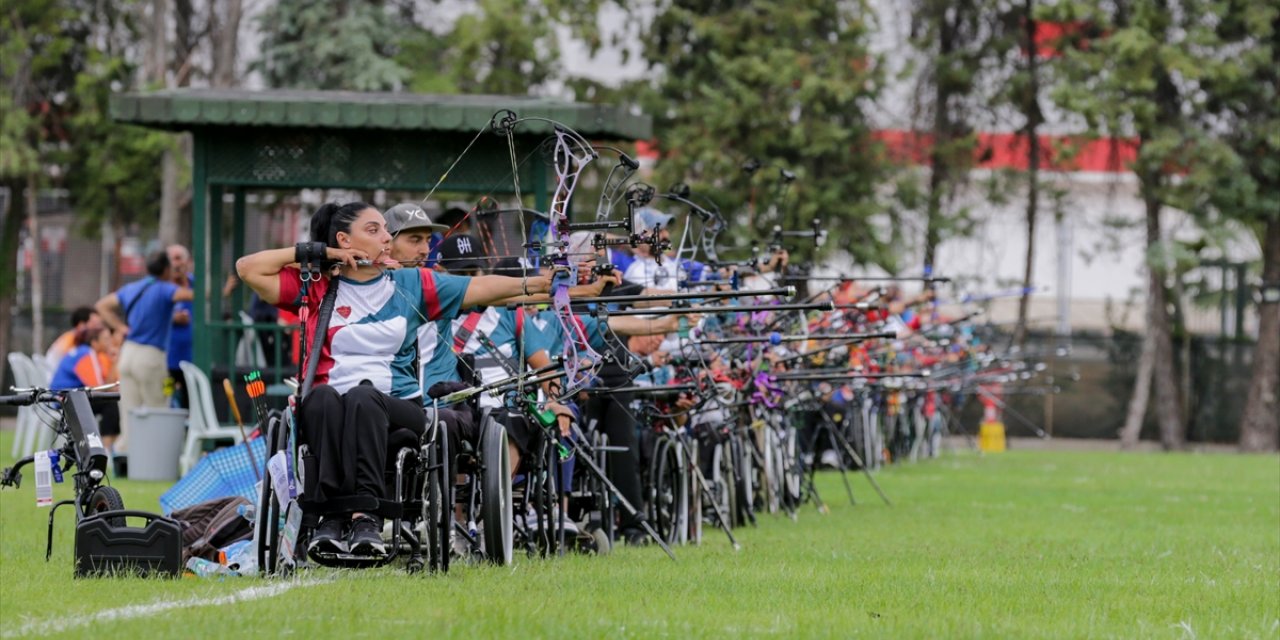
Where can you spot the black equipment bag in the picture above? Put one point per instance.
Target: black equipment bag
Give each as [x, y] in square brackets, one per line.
[103, 548]
[212, 525]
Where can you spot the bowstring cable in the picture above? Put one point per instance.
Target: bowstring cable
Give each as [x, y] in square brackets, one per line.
[524, 237]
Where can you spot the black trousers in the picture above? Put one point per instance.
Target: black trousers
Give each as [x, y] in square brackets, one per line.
[610, 413]
[108, 412]
[347, 434]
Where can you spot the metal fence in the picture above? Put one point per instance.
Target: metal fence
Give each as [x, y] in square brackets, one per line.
[1095, 374]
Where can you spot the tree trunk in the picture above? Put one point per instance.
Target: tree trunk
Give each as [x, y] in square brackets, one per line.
[1164, 379]
[1031, 110]
[1260, 422]
[175, 228]
[37, 269]
[940, 154]
[225, 40]
[1183, 360]
[157, 60]
[171, 222]
[1131, 432]
[12, 224]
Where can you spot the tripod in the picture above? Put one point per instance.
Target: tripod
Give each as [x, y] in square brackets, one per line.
[835, 438]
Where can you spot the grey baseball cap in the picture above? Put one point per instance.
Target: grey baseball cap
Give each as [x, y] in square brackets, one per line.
[409, 215]
[648, 219]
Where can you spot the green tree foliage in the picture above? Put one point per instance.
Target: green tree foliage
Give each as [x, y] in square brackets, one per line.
[1244, 103]
[1137, 71]
[786, 84]
[330, 44]
[963, 46]
[112, 171]
[506, 47]
[60, 61]
[1243, 100]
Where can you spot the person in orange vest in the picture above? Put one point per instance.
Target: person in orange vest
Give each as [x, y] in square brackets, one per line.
[91, 363]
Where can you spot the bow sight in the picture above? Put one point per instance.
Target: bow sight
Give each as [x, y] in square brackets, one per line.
[816, 232]
[637, 196]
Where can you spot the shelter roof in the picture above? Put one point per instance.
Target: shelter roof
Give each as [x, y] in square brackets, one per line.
[185, 109]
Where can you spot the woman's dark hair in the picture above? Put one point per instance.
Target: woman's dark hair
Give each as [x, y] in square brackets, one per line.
[81, 315]
[157, 263]
[87, 335]
[331, 218]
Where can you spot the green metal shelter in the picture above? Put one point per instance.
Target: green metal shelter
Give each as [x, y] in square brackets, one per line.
[288, 140]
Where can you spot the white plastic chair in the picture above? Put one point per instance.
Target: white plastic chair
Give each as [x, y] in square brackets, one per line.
[202, 421]
[26, 417]
[249, 353]
[44, 368]
[40, 376]
[32, 423]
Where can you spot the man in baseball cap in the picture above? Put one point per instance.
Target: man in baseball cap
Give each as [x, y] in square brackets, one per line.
[411, 231]
[645, 270]
[462, 254]
[649, 219]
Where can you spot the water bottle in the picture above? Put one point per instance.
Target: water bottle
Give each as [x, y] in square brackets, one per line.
[205, 568]
[242, 558]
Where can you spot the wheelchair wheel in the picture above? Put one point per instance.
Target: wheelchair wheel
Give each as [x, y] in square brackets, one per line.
[721, 480]
[604, 501]
[548, 504]
[693, 492]
[745, 478]
[495, 493]
[267, 524]
[771, 469]
[437, 503]
[791, 488]
[854, 432]
[872, 436]
[669, 491]
[105, 499]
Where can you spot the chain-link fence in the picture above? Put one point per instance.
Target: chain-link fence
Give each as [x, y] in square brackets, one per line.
[1095, 374]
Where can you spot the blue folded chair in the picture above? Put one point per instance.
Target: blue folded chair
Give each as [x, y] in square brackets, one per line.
[224, 473]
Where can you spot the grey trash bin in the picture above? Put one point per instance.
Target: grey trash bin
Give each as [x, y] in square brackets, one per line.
[156, 437]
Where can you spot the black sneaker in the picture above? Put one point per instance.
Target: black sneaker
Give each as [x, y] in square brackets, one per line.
[328, 537]
[365, 537]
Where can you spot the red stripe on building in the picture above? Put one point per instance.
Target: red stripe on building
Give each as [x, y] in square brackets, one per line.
[647, 149]
[1009, 151]
[1052, 38]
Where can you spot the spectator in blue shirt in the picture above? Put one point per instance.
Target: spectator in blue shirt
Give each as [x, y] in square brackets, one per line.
[142, 311]
[180, 334]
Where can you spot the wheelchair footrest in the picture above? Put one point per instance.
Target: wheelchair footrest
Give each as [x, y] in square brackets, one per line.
[351, 561]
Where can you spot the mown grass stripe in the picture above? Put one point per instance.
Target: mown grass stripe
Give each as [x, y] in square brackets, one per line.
[63, 624]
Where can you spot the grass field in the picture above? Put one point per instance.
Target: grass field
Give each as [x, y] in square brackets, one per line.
[1024, 544]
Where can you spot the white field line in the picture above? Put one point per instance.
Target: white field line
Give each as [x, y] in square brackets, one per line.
[58, 625]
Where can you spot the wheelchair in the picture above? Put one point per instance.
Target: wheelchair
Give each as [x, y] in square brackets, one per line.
[543, 487]
[590, 502]
[536, 492]
[484, 497]
[419, 481]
